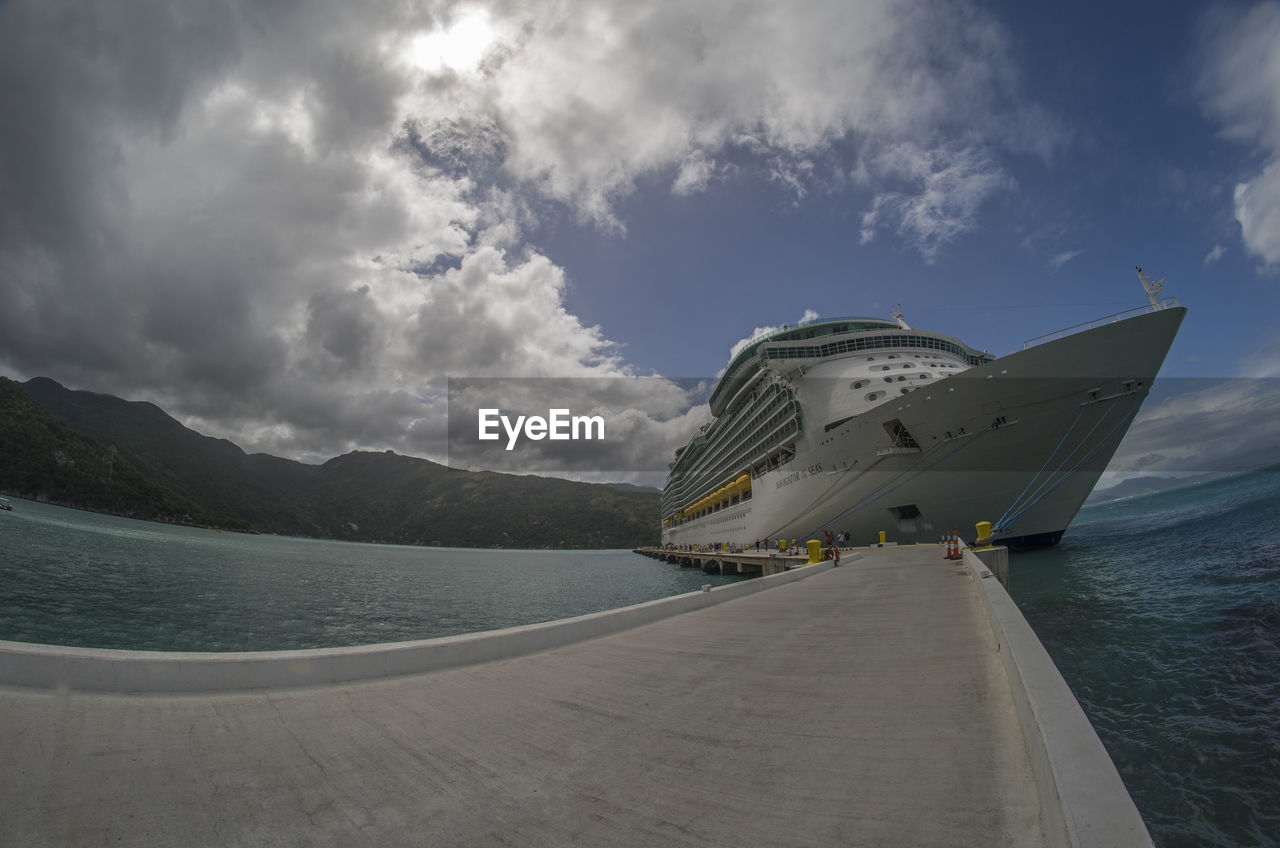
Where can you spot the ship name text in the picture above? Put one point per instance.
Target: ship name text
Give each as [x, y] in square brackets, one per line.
[816, 468]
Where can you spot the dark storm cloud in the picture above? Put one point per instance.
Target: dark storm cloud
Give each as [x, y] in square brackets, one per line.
[76, 75]
[345, 326]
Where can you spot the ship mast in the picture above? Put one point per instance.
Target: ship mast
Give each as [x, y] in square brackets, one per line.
[897, 316]
[1153, 288]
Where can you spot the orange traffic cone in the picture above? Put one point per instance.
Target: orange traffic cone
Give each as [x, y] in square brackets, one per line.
[953, 550]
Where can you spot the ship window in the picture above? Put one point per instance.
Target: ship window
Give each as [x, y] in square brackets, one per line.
[892, 356]
[857, 384]
[902, 513]
[872, 396]
[908, 365]
[905, 389]
[900, 379]
[888, 379]
[871, 359]
[924, 376]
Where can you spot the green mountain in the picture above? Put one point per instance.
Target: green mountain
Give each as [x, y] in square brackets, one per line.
[43, 457]
[100, 452]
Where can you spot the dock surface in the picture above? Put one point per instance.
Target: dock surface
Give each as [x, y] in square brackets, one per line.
[863, 705]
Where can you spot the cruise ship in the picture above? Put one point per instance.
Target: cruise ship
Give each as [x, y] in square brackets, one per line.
[860, 426]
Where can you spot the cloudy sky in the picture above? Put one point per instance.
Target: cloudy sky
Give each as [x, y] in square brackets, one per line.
[291, 224]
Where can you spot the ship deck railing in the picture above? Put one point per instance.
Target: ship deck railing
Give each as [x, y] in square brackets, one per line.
[1167, 303]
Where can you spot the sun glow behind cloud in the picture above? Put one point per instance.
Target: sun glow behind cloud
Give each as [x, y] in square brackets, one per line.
[458, 47]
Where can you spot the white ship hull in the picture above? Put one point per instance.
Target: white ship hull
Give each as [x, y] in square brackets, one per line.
[1018, 441]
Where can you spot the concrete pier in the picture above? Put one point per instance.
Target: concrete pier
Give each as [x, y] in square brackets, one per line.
[729, 562]
[861, 705]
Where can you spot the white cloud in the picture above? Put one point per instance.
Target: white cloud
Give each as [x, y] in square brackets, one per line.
[1240, 88]
[1258, 211]
[695, 173]
[1214, 255]
[594, 96]
[1058, 260]
[943, 191]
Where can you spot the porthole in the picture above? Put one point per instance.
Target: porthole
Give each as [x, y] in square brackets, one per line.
[924, 376]
[857, 385]
[904, 390]
[872, 396]
[900, 379]
[888, 379]
[908, 365]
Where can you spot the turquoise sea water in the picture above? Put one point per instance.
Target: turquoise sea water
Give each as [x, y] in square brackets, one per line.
[77, 578]
[1163, 614]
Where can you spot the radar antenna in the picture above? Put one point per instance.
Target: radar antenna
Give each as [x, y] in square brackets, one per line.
[1153, 288]
[897, 316]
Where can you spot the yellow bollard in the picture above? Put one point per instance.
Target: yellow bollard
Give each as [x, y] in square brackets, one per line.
[882, 538]
[782, 546]
[815, 554]
[984, 533]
